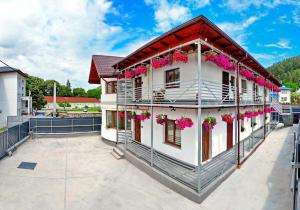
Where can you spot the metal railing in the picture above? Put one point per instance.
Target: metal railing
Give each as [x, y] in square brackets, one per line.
[65, 125]
[13, 136]
[184, 92]
[295, 168]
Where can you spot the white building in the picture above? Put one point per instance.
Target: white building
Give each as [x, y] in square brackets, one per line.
[75, 102]
[13, 99]
[285, 95]
[196, 74]
[101, 72]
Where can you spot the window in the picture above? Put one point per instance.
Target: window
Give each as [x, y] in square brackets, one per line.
[242, 126]
[172, 133]
[284, 98]
[172, 78]
[111, 121]
[244, 86]
[111, 87]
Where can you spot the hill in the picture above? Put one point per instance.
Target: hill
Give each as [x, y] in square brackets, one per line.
[288, 71]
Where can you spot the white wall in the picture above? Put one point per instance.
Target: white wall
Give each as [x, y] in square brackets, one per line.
[107, 133]
[285, 94]
[8, 96]
[107, 98]
[74, 105]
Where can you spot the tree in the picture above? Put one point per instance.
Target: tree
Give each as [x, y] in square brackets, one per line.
[35, 86]
[64, 91]
[94, 93]
[79, 92]
[48, 87]
[295, 98]
[64, 104]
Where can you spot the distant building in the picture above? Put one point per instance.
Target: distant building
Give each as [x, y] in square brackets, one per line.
[75, 102]
[13, 99]
[285, 95]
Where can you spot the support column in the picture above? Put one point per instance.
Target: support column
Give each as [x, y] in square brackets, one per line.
[264, 106]
[117, 107]
[151, 117]
[237, 122]
[125, 113]
[199, 136]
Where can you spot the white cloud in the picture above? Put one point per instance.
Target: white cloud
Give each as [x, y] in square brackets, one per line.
[198, 3]
[296, 17]
[55, 39]
[168, 14]
[238, 30]
[240, 5]
[282, 44]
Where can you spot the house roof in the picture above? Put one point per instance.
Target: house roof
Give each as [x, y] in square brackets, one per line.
[284, 88]
[6, 69]
[101, 66]
[199, 27]
[49, 99]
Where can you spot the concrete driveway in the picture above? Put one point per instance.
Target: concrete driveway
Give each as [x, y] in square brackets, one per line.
[80, 173]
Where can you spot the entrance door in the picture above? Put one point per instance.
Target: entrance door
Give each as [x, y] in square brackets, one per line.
[205, 144]
[137, 130]
[225, 86]
[229, 135]
[138, 88]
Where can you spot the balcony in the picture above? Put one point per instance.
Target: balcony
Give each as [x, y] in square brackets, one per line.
[185, 93]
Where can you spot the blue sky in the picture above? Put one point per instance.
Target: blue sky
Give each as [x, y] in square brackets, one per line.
[55, 39]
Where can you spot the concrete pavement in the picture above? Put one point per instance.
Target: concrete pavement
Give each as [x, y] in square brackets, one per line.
[80, 173]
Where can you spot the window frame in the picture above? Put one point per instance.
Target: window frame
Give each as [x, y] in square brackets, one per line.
[175, 84]
[175, 127]
[114, 123]
[244, 90]
[113, 85]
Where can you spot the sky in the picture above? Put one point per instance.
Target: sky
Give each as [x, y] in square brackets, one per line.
[55, 39]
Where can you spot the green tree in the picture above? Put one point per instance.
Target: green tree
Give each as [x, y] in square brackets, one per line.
[79, 92]
[94, 93]
[64, 104]
[35, 86]
[295, 98]
[48, 87]
[64, 91]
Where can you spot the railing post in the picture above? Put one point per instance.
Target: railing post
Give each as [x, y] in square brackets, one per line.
[151, 117]
[19, 132]
[237, 122]
[125, 113]
[51, 125]
[93, 124]
[199, 125]
[72, 125]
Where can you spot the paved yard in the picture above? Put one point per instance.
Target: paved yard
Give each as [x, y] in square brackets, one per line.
[80, 173]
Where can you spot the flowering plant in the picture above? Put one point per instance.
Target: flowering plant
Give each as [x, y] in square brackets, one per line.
[276, 89]
[131, 115]
[241, 116]
[141, 70]
[268, 110]
[129, 74]
[246, 73]
[248, 114]
[269, 85]
[260, 80]
[260, 111]
[179, 56]
[144, 115]
[161, 119]
[227, 118]
[184, 122]
[161, 62]
[221, 61]
[209, 122]
[122, 114]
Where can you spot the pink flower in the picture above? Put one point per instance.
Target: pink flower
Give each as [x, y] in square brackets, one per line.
[184, 122]
[227, 118]
[260, 80]
[129, 74]
[179, 56]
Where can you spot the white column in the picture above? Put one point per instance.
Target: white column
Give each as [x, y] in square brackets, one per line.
[199, 124]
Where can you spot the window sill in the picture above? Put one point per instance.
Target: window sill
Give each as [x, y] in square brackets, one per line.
[172, 145]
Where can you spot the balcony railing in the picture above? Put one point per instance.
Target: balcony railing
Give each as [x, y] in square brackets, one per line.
[185, 93]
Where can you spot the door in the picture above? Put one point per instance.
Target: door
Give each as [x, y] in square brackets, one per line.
[138, 88]
[225, 86]
[137, 130]
[229, 135]
[205, 144]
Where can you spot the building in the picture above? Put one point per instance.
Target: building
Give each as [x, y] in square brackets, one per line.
[192, 103]
[285, 95]
[75, 102]
[13, 99]
[102, 72]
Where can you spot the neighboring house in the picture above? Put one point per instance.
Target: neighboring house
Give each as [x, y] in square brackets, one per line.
[75, 102]
[101, 72]
[13, 99]
[285, 95]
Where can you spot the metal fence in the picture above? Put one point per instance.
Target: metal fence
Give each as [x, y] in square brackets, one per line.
[65, 125]
[12, 136]
[295, 167]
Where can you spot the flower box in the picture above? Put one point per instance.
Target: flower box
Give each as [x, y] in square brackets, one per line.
[141, 70]
[143, 116]
[221, 60]
[122, 114]
[129, 74]
[241, 116]
[246, 73]
[269, 85]
[260, 80]
[184, 122]
[248, 114]
[227, 118]
[161, 119]
[209, 122]
[132, 115]
[179, 56]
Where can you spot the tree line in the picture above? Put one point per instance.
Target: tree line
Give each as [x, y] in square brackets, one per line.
[39, 88]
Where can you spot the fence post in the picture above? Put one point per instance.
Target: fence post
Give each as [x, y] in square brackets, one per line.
[72, 125]
[51, 125]
[93, 124]
[19, 133]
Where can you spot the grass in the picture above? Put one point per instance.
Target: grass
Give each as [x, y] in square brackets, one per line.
[2, 129]
[92, 109]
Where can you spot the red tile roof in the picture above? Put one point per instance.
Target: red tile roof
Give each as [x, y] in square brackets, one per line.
[199, 27]
[101, 66]
[49, 99]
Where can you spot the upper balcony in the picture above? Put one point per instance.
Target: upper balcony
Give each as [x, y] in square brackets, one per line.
[185, 93]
